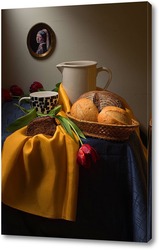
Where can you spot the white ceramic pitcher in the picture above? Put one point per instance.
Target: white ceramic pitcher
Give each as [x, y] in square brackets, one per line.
[79, 77]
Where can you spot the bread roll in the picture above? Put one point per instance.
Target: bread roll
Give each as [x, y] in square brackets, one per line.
[103, 98]
[84, 109]
[114, 115]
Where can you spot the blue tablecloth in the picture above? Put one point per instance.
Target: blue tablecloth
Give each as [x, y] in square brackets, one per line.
[113, 197]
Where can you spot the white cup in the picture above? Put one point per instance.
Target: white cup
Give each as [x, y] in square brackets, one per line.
[43, 101]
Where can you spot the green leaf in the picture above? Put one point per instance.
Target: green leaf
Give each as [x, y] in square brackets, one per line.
[70, 126]
[64, 123]
[55, 111]
[22, 121]
[22, 109]
[41, 114]
[76, 128]
[57, 87]
[52, 112]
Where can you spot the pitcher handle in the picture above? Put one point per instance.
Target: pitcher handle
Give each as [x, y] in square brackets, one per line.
[109, 77]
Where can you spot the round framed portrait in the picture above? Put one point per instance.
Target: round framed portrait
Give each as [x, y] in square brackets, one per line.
[41, 41]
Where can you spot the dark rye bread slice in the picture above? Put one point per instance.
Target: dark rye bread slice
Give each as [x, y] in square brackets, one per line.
[103, 98]
[41, 125]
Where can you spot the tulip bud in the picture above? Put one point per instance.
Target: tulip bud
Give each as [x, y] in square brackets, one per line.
[87, 156]
[16, 90]
[6, 95]
[36, 86]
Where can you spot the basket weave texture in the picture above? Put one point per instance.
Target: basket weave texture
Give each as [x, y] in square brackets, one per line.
[104, 131]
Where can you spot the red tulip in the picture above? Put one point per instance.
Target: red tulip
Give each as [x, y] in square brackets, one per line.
[6, 95]
[16, 90]
[87, 156]
[36, 86]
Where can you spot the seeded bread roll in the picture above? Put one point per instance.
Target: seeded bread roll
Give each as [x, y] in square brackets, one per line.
[114, 115]
[41, 125]
[103, 98]
[84, 109]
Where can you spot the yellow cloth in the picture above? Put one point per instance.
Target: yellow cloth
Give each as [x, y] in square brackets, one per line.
[40, 174]
[63, 99]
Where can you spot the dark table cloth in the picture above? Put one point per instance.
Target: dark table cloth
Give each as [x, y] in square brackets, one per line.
[113, 197]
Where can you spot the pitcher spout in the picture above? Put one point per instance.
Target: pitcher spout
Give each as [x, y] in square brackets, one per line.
[60, 67]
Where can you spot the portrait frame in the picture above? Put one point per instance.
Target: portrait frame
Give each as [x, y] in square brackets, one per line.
[33, 45]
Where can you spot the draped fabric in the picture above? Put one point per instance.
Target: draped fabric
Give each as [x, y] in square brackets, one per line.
[40, 174]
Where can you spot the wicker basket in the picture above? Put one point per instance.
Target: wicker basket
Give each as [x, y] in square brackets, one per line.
[103, 131]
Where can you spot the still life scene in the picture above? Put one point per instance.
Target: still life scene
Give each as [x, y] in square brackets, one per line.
[76, 153]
